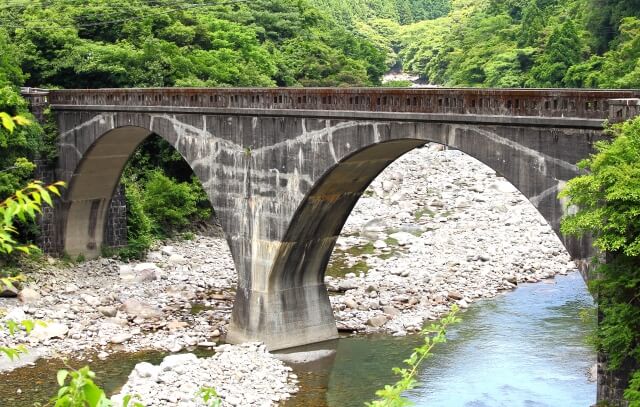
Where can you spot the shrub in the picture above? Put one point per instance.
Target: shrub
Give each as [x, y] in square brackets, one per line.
[172, 205]
[608, 202]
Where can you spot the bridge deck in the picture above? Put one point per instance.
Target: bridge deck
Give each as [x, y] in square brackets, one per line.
[558, 103]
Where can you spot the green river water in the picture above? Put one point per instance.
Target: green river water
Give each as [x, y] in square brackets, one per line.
[522, 348]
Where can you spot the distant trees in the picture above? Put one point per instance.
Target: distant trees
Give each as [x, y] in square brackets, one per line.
[182, 43]
[518, 43]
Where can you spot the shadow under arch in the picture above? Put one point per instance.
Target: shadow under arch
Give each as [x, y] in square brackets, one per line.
[93, 183]
[321, 216]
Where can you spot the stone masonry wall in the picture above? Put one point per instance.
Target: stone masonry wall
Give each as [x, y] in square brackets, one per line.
[115, 234]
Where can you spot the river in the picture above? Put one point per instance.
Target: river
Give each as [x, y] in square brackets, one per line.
[522, 348]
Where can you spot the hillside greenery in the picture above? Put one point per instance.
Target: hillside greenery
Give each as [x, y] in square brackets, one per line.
[517, 43]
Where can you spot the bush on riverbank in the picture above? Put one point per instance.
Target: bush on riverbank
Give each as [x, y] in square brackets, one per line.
[608, 198]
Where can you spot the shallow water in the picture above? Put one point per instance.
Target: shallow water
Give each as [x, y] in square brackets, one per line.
[523, 348]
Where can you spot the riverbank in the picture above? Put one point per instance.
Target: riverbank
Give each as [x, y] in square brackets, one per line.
[434, 229]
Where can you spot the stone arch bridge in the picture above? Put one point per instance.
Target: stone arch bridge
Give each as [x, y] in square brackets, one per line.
[284, 167]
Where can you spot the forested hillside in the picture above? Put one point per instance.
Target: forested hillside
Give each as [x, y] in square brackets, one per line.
[517, 43]
[399, 11]
[104, 43]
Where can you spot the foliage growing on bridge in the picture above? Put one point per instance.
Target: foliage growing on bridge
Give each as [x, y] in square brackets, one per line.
[609, 200]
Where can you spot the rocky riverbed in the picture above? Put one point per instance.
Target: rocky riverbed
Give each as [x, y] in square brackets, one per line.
[434, 229]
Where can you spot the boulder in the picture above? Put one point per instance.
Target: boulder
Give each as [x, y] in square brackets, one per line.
[377, 321]
[28, 295]
[49, 331]
[403, 238]
[120, 338]
[177, 259]
[108, 311]
[8, 292]
[139, 309]
[454, 295]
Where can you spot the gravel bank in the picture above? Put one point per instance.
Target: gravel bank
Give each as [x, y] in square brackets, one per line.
[244, 375]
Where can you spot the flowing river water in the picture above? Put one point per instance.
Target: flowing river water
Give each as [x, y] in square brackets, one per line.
[523, 348]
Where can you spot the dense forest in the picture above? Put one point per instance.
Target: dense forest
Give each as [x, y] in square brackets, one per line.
[515, 43]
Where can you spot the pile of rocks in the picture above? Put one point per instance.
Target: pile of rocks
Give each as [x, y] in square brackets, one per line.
[180, 297]
[244, 375]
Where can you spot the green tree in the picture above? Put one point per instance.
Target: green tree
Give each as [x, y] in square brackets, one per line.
[607, 199]
[562, 50]
[532, 25]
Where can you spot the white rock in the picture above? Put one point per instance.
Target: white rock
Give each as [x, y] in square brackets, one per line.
[379, 244]
[28, 295]
[50, 331]
[120, 338]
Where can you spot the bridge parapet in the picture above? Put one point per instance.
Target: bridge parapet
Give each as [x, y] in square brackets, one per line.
[592, 104]
[623, 109]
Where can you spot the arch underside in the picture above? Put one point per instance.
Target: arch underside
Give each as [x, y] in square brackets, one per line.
[92, 186]
[283, 188]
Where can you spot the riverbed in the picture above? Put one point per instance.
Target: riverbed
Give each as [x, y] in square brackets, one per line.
[436, 228]
[523, 348]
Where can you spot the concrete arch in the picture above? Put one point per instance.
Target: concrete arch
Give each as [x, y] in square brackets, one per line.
[283, 187]
[92, 185]
[94, 180]
[320, 217]
[293, 306]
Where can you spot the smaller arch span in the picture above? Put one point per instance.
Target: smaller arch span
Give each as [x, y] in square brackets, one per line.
[91, 186]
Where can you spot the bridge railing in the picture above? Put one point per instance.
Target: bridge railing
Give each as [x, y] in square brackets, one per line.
[509, 102]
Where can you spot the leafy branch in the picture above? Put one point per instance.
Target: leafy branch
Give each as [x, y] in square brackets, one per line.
[391, 395]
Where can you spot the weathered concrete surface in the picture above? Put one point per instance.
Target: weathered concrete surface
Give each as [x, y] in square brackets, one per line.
[283, 187]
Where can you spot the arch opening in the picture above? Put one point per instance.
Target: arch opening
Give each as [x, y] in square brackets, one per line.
[321, 217]
[97, 177]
